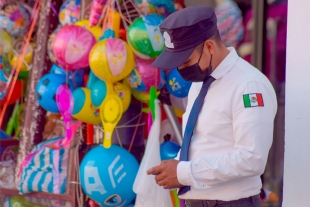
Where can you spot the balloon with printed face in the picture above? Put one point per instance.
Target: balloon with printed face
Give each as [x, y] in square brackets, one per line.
[111, 59]
[107, 175]
[144, 76]
[14, 18]
[176, 85]
[95, 30]
[69, 12]
[71, 47]
[145, 38]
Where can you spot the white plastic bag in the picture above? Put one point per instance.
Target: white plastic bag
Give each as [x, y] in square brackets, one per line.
[149, 194]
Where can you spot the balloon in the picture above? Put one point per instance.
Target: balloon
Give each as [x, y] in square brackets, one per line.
[169, 150]
[16, 94]
[77, 77]
[14, 18]
[164, 7]
[176, 85]
[95, 30]
[98, 93]
[3, 82]
[145, 76]
[96, 11]
[143, 97]
[107, 175]
[69, 12]
[179, 103]
[123, 92]
[111, 59]
[46, 90]
[144, 36]
[83, 109]
[145, 6]
[71, 47]
[50, 45]
[6, 44]
[18, 50]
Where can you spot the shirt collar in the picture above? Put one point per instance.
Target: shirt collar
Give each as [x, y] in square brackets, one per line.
[226, 64]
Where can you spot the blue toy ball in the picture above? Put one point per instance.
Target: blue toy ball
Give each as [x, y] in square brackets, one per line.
[176, 85]
[169, 150]
[46, 90]
[98, 93]
[77, 76]
[107, 175]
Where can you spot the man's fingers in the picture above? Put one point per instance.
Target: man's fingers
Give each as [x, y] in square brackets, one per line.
[153, 171]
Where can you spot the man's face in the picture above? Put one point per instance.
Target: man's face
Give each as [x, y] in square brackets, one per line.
[194, 58]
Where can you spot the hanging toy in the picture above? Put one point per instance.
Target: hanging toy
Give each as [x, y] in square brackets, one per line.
[71, 47]
[110, 112]
[14, 18]
[69, 12]
[144, 36]
[96, 11]
[95, 30]
[144, 76]
[64, 101]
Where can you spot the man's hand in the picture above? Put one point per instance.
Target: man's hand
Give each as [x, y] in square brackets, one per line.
[166, 174]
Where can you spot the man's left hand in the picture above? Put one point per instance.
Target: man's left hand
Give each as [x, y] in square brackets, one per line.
[166, 174]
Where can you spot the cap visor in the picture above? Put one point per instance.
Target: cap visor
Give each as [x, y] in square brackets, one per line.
[171, 60]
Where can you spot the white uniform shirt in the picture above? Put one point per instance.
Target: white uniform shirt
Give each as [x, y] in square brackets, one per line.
[230, 143]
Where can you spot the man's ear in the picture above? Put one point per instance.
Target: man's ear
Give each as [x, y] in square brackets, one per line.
[209, 46]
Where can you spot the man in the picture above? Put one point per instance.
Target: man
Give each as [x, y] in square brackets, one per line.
[228, 123]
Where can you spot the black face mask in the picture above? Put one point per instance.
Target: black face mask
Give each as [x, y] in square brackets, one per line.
[194, 73]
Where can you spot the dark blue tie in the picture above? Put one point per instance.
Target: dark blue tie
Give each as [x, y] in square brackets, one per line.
[191, 122]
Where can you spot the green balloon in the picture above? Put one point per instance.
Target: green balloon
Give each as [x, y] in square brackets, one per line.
[144, 36]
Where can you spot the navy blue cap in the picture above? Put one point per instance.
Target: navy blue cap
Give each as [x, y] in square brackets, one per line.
[183, 31]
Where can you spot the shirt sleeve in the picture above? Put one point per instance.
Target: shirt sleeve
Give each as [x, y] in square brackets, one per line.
[252, 134]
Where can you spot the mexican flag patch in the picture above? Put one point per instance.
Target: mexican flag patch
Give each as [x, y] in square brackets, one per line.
[253, 100]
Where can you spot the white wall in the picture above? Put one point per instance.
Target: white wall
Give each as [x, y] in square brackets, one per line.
[297, 126]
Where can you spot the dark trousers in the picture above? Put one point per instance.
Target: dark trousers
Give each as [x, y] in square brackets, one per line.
[253, 201]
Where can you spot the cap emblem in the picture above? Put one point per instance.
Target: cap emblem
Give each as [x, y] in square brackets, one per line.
[168, 42]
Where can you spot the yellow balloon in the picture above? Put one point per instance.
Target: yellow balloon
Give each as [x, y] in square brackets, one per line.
[83, 108]
[18, 50]
[95, 30]
[6, 44]
[123, 92]
[111, 59]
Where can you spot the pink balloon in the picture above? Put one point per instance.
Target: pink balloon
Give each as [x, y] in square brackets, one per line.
[71, 47]
[144, 76]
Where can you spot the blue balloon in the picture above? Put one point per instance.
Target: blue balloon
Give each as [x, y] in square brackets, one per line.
[169, 150]
[98, 93]
[46, 90]
[107, 175]
[76, 76]
[176, 85]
